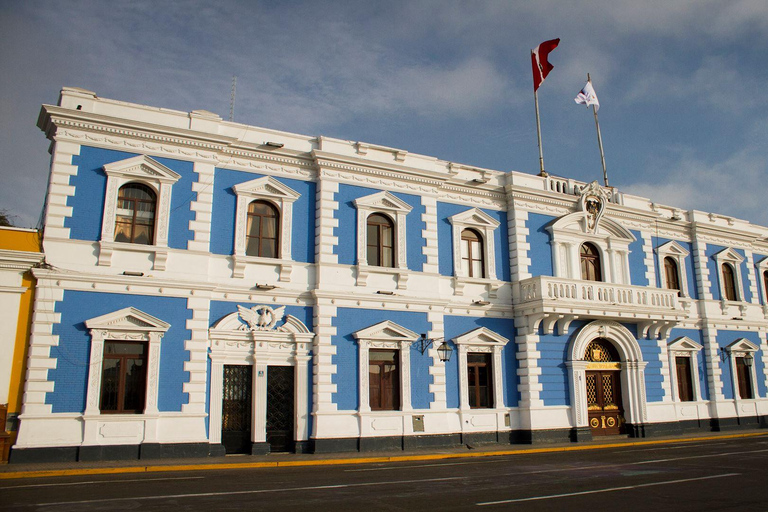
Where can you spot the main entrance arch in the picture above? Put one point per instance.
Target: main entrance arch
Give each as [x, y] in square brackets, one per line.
[612, 386]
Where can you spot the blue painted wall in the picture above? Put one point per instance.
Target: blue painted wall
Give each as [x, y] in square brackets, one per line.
[347, 230]
[225, 204]
[73, 352]
[90, 189]
[554, 373]
[539, 239]
[349, 321]
[458, 325]
[445, 239]
[696, 336]
[725, 338]
[637, 268]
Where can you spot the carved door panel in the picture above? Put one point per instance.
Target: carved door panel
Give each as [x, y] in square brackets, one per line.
[236, 408]
[280, 408]
[605, 412]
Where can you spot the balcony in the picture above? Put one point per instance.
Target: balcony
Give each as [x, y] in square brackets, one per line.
[554, 300]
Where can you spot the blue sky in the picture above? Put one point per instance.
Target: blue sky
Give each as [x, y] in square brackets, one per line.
[683, 85]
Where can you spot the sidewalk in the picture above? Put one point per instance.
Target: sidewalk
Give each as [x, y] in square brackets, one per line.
[14, 471]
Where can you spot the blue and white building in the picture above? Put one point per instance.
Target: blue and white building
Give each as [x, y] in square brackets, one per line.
[213, 287]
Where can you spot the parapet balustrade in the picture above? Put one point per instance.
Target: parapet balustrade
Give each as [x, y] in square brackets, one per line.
[599, 294]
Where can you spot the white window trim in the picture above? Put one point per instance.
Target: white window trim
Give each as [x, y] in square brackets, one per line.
[762, 267]
[684, 347]
[610, 238]
[486, 341]
[393, 207]
[678, 253]
[147, 171]
[740, 348]
[484, 224]
[129, 324]
[729, 255]
[281, 197]
[389, 336]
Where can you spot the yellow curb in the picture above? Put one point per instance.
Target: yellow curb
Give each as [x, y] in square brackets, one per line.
[350, 461]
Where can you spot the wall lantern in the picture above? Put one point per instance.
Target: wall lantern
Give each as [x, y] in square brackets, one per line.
[748, 359]
[444, 351]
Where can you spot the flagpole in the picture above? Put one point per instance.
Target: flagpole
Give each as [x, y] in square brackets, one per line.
[599, 139]
[542, 172]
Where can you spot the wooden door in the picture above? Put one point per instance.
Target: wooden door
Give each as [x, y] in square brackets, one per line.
[236, 408]
[605, 412]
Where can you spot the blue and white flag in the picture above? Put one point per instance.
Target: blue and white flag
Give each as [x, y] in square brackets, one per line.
[587, 97]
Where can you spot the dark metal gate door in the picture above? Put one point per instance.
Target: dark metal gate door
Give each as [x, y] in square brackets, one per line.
[236, 409]
[280, 408]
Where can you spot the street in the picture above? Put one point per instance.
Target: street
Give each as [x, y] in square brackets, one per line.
[726, 474]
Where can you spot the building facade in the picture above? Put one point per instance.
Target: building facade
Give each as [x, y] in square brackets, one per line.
[220, 288]
[19, 253]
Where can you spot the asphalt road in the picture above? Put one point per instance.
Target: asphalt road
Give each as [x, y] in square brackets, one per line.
[713, 475]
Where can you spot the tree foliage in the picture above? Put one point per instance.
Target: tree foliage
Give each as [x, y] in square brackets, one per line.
[5, 218]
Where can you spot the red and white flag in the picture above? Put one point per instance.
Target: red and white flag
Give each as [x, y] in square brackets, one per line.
[539, 62]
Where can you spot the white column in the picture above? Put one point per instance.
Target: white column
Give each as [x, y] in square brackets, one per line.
[203, 207]
[214, 413]
[259, 429]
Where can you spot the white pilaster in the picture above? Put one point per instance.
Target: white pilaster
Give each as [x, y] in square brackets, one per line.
[197, 345]
[429, 233]
[203, 208]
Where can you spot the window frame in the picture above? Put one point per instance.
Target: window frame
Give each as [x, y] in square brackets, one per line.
[395, 397]
[380, 227]
[739, 349]
[160, 179]
[397, 210]
[121, 391]
[281, 197]
[678, 254]
[128, 324]
[481, 341]
[684, 347]
[136, 202]
[597, 262]
[249, 223]
[385, 335]
[487, 363]
[734, 260]
[484, 225]
[762, 278]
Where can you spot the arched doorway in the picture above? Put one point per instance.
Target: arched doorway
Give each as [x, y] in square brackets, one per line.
[603, 383]
[608, 353]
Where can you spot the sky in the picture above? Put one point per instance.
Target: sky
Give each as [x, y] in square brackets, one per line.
[683, 85]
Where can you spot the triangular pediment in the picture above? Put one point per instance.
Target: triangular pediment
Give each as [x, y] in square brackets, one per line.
[266, 187]
[474, 217]
[763, 263]
[142, 167]
[729, 254]
[672, 248]
[481, 336]
[386, 331]
[128, 319]
[684, 344]
[383, 201]
[742, 345]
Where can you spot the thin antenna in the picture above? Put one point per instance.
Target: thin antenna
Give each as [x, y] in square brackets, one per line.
[232, 99]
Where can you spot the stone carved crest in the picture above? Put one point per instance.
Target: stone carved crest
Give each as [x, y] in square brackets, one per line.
[261, 318]
[593, 201]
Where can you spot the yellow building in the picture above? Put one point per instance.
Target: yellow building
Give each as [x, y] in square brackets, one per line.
[19, 252]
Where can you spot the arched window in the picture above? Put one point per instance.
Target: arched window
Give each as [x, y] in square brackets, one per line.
[765, 284]
[135, 218]
[381, 236]
[262, 230]
[472, 253]
[590, 263]
[729, 282]
[671, 274]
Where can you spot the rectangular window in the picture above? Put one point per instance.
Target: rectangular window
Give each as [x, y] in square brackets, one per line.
[479, 375]
[123, 377]
[384, 380]
[744, 377]
[684, 379]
